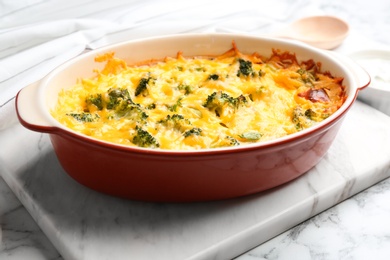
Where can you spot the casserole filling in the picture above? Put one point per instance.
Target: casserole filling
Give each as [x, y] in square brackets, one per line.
[183, 103]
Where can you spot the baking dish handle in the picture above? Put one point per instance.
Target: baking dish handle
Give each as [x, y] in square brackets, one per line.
[29, 109]
[361, 75]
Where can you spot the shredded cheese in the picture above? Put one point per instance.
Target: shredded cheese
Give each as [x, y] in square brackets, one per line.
[183, 103]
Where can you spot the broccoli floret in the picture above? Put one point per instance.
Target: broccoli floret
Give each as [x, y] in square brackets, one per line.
[122, 105]
[142, 86]
[116, 96]
[176, 121]
[250, 136]
[187, 89]
[232, 141]
[193, 131]
[310, 114]
[306, 76]
[127, 108]
[144, 139]
[298, 114]
[176, 105]
[94, 100]
[218, 101]
[302, 119]
[240, 100]
[84, 117]
[213, 77]
[151, 106]
[174, 117]
[313, 116]
[225, 142]
[261, 73]
[245, 68]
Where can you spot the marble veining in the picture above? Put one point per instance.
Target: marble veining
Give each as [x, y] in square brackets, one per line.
[44, 214]
[20, 236]
[339, 237]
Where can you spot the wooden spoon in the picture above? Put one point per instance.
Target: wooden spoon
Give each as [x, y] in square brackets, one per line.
[325, 32]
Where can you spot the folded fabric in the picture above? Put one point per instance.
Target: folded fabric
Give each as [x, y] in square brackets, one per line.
[7, 114]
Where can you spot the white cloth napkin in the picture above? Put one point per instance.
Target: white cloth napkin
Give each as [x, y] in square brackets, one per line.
[7, 114]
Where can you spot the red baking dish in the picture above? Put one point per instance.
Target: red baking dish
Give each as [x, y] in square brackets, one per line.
[183, 176]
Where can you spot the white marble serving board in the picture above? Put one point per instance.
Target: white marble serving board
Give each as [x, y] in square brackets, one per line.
[84, 224]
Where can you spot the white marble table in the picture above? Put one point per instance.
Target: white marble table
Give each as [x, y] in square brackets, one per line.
[35, 36]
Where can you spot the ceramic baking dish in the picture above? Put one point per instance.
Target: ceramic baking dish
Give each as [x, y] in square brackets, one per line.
[183, 176]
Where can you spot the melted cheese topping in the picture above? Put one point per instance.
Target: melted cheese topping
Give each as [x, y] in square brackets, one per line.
[200, 102]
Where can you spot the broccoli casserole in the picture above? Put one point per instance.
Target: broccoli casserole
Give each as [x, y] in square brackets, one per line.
[183, 103]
